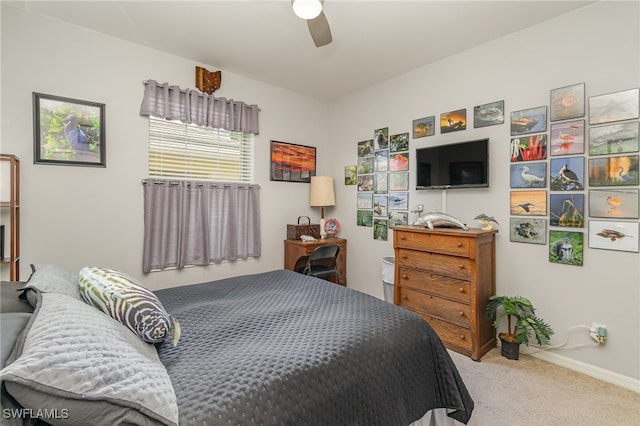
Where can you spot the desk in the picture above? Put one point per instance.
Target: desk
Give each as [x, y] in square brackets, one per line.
[295, 249]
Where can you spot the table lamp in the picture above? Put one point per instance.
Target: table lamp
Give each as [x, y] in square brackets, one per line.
[322, 195]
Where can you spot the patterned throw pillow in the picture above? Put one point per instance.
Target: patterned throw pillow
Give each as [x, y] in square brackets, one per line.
[123, 299]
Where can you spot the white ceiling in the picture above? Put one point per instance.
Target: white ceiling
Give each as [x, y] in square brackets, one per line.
[263, 40]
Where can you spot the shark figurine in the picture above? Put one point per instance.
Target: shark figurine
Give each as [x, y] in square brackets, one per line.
[436, 219]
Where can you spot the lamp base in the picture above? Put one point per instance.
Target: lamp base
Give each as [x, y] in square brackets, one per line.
[323, 233]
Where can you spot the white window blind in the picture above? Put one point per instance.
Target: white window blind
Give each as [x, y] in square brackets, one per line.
[185, 151]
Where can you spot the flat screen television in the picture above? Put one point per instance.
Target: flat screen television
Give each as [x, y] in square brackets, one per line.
[456, 165]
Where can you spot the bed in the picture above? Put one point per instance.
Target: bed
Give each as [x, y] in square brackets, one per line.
[275, 348]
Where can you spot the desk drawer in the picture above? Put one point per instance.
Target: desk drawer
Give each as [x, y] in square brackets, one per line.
[445, 286]
[453, 266]
[445, 309]
[457, 246]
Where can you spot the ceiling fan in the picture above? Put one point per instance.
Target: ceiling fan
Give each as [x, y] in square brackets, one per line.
[311, 10]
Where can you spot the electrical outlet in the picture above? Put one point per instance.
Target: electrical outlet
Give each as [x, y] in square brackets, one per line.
[598, 332]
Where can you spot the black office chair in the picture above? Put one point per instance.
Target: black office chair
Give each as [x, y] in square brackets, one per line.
[323, 262]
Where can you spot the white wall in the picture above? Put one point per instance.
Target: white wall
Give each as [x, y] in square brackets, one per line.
[79, 216]
[598, 45]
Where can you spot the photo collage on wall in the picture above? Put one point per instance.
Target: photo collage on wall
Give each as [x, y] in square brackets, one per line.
[382, 179]
[556, 163]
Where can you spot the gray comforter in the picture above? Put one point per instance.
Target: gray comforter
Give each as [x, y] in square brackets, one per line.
[287, 349]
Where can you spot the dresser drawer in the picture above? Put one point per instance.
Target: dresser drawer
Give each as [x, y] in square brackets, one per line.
[450, 334]
[453, 266]
[459, 246]
[448, 310]
[441, 285]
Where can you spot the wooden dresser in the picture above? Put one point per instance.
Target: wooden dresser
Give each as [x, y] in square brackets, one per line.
[446, 275]
[296, 252]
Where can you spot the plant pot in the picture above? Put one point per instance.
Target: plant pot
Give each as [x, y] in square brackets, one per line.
[510, 349]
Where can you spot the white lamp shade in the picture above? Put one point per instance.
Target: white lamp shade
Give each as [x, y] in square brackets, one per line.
[321, 193]
[307, 9]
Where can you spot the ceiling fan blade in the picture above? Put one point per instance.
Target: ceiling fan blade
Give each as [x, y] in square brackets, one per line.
[319, 29]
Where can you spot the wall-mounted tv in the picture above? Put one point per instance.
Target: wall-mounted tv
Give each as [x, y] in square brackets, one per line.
[457, 165]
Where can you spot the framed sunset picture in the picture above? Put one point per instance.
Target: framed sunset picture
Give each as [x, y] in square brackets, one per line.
[291, 162]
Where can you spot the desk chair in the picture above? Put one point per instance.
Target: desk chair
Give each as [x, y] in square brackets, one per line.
[323, 262]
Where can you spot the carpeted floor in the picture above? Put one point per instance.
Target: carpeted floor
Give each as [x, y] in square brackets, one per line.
[531, 391]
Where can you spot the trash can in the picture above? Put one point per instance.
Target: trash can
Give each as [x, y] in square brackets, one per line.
[388, 270]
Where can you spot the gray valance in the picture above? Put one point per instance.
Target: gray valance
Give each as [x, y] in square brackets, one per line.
[192, 106]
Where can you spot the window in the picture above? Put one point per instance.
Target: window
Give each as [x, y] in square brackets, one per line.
[186, 151]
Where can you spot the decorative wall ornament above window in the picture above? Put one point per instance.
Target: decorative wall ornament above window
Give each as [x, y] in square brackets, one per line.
[208, 81]
[191, 106]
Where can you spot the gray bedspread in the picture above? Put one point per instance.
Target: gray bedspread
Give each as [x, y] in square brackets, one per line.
[281, 348]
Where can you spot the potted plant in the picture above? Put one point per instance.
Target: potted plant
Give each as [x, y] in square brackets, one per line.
[521, 322]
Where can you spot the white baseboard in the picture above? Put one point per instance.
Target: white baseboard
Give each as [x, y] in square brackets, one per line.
[590, 370]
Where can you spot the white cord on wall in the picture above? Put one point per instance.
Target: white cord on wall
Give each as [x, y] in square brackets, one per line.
[562, 345]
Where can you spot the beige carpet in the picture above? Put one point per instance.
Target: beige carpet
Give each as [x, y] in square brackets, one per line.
[531, 391]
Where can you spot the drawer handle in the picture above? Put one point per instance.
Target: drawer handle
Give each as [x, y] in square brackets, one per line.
[461, 313]
[461, 266]
[459, 244]
[462, 337]
[404, 277]
[405, 297]
[404, 256]
[461, 289]
[403, 238]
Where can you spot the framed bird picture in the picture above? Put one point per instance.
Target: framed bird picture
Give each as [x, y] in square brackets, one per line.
[68, 131]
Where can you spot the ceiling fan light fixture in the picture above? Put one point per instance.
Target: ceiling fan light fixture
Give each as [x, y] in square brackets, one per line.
[307, 9]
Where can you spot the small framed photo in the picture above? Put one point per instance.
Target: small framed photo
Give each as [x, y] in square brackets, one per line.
[614, 138]
[365, 200]
[528, 203]
[365, 148]
[488, 114]
[350, 174]
[399, 181]
[567, 210]
[399, 162]
[398, 201]
[292, 162]
[381, 183]
[365, 165]
[531, 175]
[381, 160]
[613, 171]
[567, 102]
[398, 218]
[531, 120]
[380, 206]
[365, 183]
[610, 235]
[453, 121]
[364, 218]
[567, 138]
[566, 247]
[68, 131]
[618, 106]
[423, 127]
[399, 142]
[529, 148]
[567, 174]
[380, 229]
[528, 230]
[614, 203]
[381, 138]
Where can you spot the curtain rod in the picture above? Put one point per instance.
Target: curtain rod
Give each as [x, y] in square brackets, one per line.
[200, 183]
[185, 91]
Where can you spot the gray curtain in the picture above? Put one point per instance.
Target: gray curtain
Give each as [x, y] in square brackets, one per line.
[198, 223]
[191, 106]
